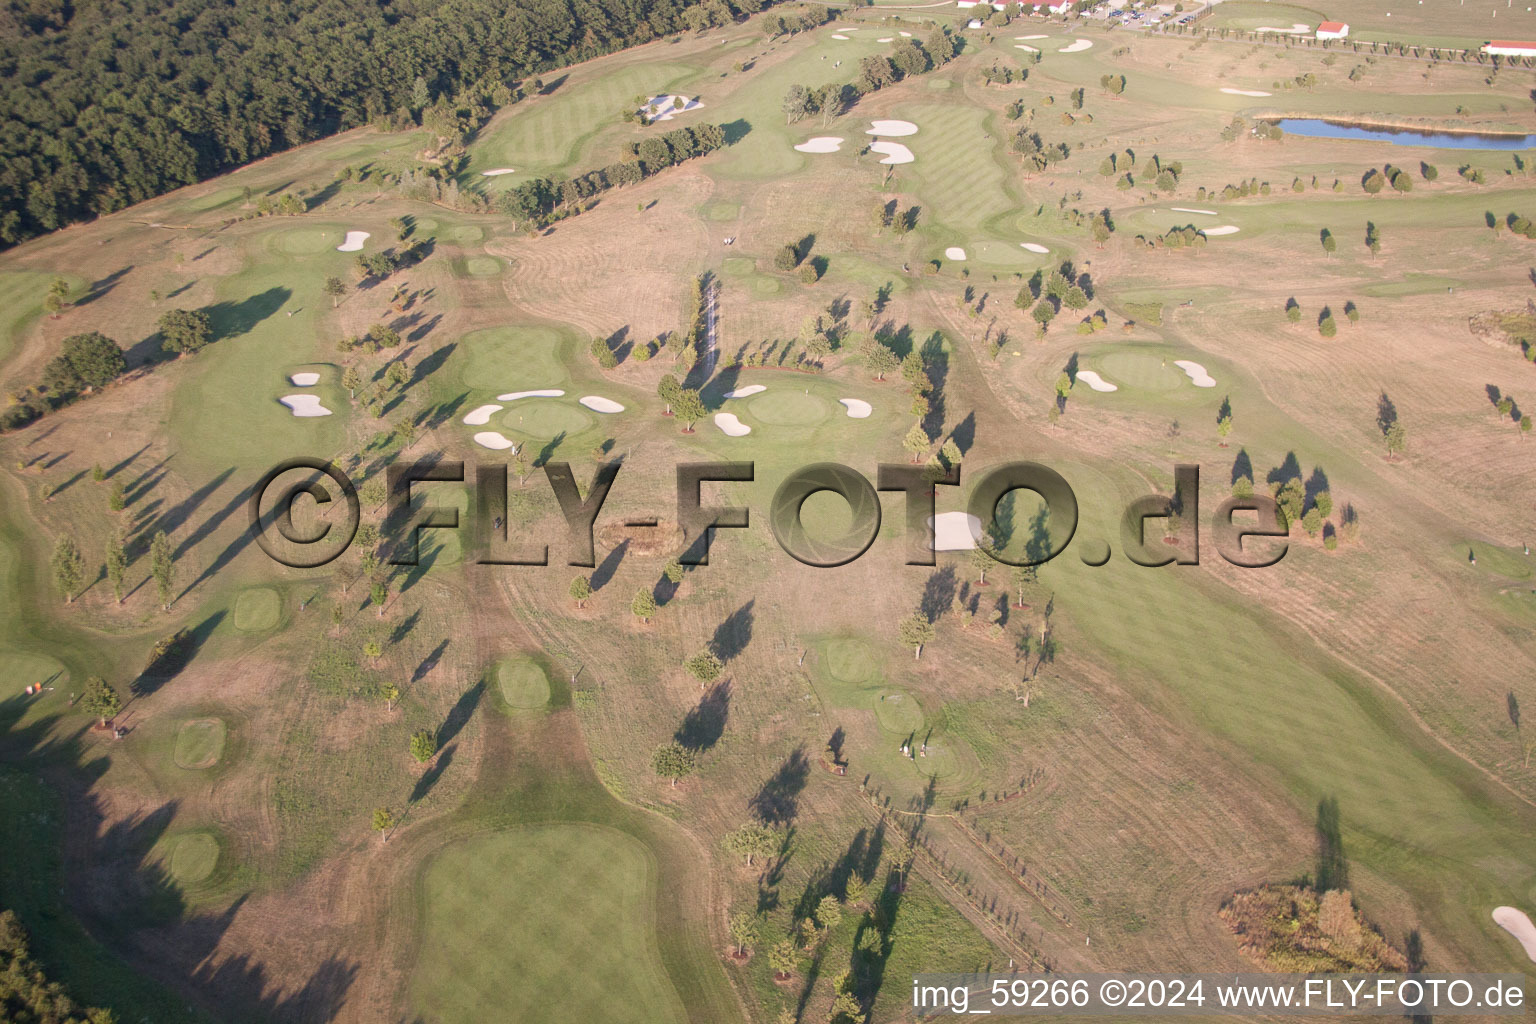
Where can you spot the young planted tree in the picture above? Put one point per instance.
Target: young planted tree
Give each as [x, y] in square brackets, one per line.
[184, 331]
[981, 560]
[68, 568]
[100, 699]
[351, 379]
[744, 929]
[1396, 438]
[916, 442]
[784, 959]
[117, 565]
[335, 287]
[423, 745]
[704, 666]
[916, 631]
[644, 604]
[383, 821]
[162, 567]
[391, 693]
[57, 299]
[378, 593]
[581, 591]
[1023, 576]
[751, 840]
[688, 407]
[672, 761]
[668, 390]
[673, 571]
[829, 912]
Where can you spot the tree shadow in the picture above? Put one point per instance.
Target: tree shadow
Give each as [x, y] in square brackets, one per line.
[102, 286]
[964, 435]
[938, 593]
[608, 566]
[548, 451]
[777, 800]
[431, 775]
[736, 130]
[1288, 470]
[184, 647]
[459, 715]
[232, 319]
[430, 661]
[733, 634]
[705, 723]
[1332, 866]
[1242, 466]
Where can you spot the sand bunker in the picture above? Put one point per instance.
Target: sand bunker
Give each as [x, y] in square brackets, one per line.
[821, 144]
[1245, 92]
[891, 129]
[954, 252]
[1077, 47]
[907, 34]
[895, 152]
[1296, 29]
[1190, 209]
[354, 241]
[599, 404]
[858, 409]
[481, 415]
[493, 440]
[839, 35]
[1196, 373]
[750, 389]
[886, 39]
[1031, 37]
[1094, 381]
[662, 108]
[729, 424]
[513, 396]
[305, 405]
[1518, 924]
[1025, 46]
[305, 380]
[1225, 229]
[955, 531]
[497, 172]
[1034, 247]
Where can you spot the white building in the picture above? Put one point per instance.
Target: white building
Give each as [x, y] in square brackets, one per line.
[1510, 48]
[1332, 30]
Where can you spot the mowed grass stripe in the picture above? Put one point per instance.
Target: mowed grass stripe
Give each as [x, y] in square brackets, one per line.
[963, 182]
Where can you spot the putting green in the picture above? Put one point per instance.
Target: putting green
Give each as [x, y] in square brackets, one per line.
[722, 211]
[544, 418]
[526, 915]
[307, 241]
[467, 234]
[766, 286]
[483, 266]
[1142, 370]
[192, 857]
[1510, 562]
[788, 409]
[523, 683]
[438, 549]
[511, 359]
[739, 266]
[1002, 254]
[257, 610]
[850, 660]
[200, 743]
[940, 760]
[19, 669]
[898, 712]
[423, 224]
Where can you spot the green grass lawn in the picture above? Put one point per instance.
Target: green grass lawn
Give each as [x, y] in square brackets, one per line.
[550, 923]
[523, 683]
[200, 743]
[192, 857]
[258, 609]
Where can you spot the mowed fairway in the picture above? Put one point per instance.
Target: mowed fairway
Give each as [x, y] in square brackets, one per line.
[550, 923]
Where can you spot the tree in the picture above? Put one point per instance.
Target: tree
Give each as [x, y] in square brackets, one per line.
[704, 666]
[668, 390]
[1043, 313]
[581, 591]
[1293, 311]
[57, 298]
[86, 361]
[882, 361]
[351, 379]
[981, 561]
[373, 649]
[383, 821]
[162, 566]
[335, 287]
[1372, 237]
[117, 565]
[855, 889]
[184, 331]
[916, 442]
[829, 912]
[788, 258]
[117, 499]
[744, 928]
[1223, 428]
[1396, 438]
[796, 104]
[751, 840]
[915, 631]
[100, 699]
[1373, 182]
[673, 571]
[644, 604]
[423, 745]
[391, 693]
[1326, 325]
[1330, 244]
[672, 761]
[689, 408]
[378, 593]
[68, 568]
[784, 959]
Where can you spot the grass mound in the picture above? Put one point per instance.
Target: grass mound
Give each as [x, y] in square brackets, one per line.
[257, 610]
[200, 743]
[898, 712]
[482, 266]
[586, 893]
[544, 418]
[1142, 370]
[193, 857]
[1291, 928]
[787, 409]
[850, 660]
[466, 234]
[523, 683]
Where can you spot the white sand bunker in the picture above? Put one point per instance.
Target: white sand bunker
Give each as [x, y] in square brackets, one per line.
[498, 172]
[305, 380]
[954, 252]
[750, 389]
[1025, 46]
[1190, 209]
[1031, 37]
[513, 396]
[661, 108]
[481, 415]
[1196, 373]
[494, 441]
[1077, 47]
[891, 129]
[305, 405]
[1225, 229]
[858, 409]
[821, 144]
[895, 152]
[599, 404]
[1033, 247]
[886, 39]
[1245, 92]
[729, 424]
[955, 531]
[1518, 924]
[1093, 380]
[839, 35]
[907, 34]
[1297, 29]
[354, 241]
